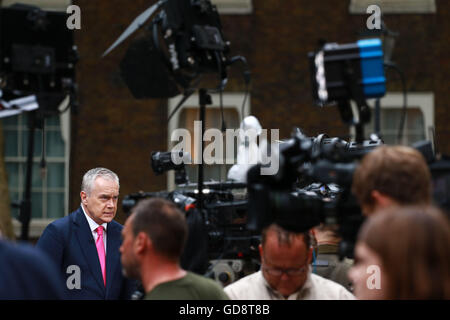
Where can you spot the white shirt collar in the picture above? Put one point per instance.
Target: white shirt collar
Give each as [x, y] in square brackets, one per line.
[92, 224]
[293, 296]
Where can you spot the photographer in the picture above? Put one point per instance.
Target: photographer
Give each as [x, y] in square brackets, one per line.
[391, 175]
[153, 240]
[285, 272]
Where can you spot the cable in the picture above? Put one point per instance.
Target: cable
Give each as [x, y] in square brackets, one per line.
[247, 79]
[222, 84]
[186, 95]
[43, 164]
[313, 234]
[247, 89]
[224, 126]
[314, 262]
[403, 116]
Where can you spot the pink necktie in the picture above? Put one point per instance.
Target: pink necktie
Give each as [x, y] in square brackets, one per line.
[101, 252]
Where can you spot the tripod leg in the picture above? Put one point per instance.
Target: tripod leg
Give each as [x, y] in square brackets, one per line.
[25, 206]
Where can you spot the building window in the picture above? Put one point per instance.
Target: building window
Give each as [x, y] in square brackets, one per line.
[394, 6]
[49, 192]
[57, 5]
[419, 120]
[189, 112]
[233, 6]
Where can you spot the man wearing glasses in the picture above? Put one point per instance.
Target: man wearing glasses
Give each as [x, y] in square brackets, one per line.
[285, 272]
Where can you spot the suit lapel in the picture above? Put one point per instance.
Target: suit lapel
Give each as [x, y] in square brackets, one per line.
[112, 253]
[87, 245]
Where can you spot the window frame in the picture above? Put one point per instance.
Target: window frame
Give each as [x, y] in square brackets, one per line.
[421, 100]
[50, 5]
[394, 6]
[231, 100]
[37, 225]
[233, 6]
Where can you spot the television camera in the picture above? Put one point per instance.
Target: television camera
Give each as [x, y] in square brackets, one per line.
[313, 183]
[219, 244]
[311, 187]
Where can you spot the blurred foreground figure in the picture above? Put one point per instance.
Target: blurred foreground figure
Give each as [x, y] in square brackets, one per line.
[26, 273]
[153, 240]
[403, 253]
[392, 176]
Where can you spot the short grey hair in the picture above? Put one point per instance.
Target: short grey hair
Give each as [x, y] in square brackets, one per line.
[90, 176]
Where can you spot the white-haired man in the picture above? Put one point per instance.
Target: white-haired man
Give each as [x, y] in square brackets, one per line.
[85, 244]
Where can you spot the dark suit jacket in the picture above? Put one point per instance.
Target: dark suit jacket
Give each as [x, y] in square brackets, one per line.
[27, 273]
[69, 241]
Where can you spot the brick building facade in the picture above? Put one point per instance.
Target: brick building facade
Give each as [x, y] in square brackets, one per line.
[114, 130]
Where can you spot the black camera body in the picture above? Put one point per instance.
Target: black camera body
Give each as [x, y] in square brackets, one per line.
[219, 244]
[312, 186]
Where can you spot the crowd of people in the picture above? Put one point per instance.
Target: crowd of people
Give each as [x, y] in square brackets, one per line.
[402, 250]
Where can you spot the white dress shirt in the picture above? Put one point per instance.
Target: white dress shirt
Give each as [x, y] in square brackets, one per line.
[255, 287]
[93, 225]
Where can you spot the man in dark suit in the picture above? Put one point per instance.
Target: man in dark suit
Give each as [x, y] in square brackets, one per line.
[85, 244]
[27, 273]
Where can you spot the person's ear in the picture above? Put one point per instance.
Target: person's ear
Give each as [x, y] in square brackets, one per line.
[142, 242]
[261, 255]
[83, 196]
[381, 200]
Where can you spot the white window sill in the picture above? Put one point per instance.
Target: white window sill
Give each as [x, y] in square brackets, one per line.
[394, 6]
[233, 6]
[37, 226]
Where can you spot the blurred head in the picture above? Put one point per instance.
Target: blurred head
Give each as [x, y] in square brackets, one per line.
[99, 194]
[155, 229]
[411, 247]
[367, 274]
[130, 250]
[390, 175]
[285, 259]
